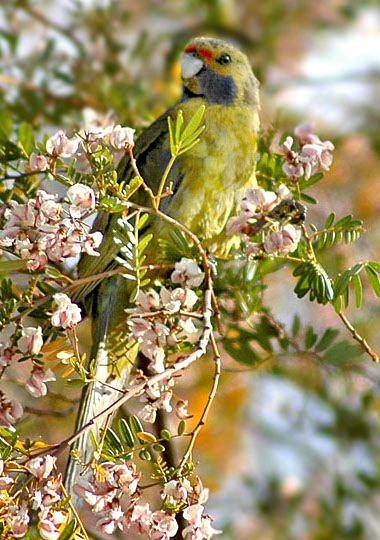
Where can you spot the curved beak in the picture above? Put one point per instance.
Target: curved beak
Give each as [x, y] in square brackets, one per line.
[190, 66]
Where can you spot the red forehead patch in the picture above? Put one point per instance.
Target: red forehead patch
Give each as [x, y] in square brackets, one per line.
[203, 53]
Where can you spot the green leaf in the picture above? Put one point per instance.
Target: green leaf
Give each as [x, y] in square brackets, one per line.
[358, 290]
[142, 221]
[374, 265]
[296, 325]
[171, 137]
[341, 353]
[125, 432]
[10, 267]
[136, 427]
[145, 455]
[178, 126]
[373, 279]
[26, 138]
[327, 339]
[113, 442]
[330, 220]
[308, 198]
[6, 125]
[69, 531]
[165, 434]
[193, 124]
[310, 337]
[158, 448]
[181, 427]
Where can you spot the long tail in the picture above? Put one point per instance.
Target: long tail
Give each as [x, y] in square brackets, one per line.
[108, 378]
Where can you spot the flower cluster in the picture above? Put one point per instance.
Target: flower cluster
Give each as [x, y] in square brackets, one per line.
[86, 141]
[41, 496]
[164, 319]
[311, 156]
[16, 343]
[111, 489]
[257, 218]
[41, 230]
[103, 489]
[181, 495]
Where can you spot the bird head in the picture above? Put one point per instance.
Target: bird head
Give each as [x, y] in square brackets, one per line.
[218, 72]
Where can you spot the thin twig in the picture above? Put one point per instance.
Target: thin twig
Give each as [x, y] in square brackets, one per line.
[210, 399]
[357, 337]
[73, 509]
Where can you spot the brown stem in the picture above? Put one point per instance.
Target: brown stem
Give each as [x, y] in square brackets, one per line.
[206, 410]
[357, 337]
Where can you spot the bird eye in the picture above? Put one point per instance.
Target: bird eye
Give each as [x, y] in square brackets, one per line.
[224, 59]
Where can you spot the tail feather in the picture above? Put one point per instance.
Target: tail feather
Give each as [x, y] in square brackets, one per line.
[103, 390]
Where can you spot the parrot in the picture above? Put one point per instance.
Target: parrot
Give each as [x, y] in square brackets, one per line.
[206, 186]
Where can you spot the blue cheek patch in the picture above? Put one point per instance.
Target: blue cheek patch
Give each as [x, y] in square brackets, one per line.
[217, 88]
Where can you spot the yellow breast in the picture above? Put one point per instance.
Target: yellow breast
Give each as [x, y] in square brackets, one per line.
[215, 171]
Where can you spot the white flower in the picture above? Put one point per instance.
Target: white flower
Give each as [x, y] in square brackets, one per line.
[283, 241]
[38, 162]
[193, 514]
[51, 524]
[81, 196]
[36, 383]
[121, 137]
[10, 412]
[31, 340]
[67, 314]
[187, 272]
[258, 201]
[59, 145]
[148, 414]
[41, 467]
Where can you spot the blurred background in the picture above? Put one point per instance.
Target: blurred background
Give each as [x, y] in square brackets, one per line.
[291, 450]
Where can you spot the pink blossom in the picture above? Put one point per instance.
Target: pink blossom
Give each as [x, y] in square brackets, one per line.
[10, 412]
[67, 314]
[305, 133]
[59, 145]
[38, 162]
[36, 383]
[176, 491]
[48, 494]
[201, 493]
[5, 481]
[36, 261]
[283, 241]
[52, 522]
[17, 520]
[181, 409]
[199, 525]
[141, 517]
[193, 514]
[111, 520]
[31, 340]
[164, 525]
[187, 272]
[41, 467]
[163, 402]
[81, 196]
[206, 529]
[258, 202]
[6, 345]
[148, 413]
[92, 241]
[121, 138]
